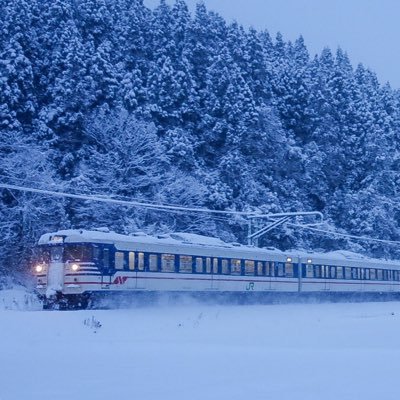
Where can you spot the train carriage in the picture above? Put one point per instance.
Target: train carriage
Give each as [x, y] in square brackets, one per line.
[72, 265]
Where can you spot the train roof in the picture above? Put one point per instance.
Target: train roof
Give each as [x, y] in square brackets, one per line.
[103, 235]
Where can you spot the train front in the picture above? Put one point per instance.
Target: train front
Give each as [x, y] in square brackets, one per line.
[61, 269]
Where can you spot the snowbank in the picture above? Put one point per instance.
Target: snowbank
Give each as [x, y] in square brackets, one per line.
[18, 298]
[312, 351]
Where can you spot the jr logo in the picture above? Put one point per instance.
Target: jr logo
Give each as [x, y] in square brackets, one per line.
[250, 286]
[120, 280]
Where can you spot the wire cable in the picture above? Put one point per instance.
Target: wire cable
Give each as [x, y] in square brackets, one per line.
[345, 235]
[106, 199]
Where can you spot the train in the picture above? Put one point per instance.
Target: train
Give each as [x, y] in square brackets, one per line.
[74, 266]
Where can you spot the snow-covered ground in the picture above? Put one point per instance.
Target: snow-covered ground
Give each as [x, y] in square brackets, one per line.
[308, 351]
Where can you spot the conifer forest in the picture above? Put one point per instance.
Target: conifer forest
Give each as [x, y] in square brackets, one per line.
[111, 98]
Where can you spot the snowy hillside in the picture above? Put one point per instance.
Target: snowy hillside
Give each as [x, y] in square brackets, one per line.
[316, 351]
[112, 98]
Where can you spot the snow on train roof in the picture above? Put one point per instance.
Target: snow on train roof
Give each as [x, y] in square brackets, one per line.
[183, 238]
[72, 235]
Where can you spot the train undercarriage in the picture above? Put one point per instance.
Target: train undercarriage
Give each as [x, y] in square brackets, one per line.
[114, 300]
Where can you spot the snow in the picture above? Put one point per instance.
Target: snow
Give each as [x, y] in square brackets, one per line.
[101, 235]
[18, 298]
[197, 351]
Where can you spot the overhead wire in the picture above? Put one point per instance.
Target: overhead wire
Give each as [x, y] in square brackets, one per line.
[345, 235]
[220, 215]
[105, 199]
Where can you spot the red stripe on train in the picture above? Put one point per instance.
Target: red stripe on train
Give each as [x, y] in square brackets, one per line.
[119, 280]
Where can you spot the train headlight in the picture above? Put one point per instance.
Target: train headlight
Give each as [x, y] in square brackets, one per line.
[75, 267]
[289, 259]
[39, 268]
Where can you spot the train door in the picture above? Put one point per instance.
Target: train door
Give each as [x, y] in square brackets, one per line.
[214, 275]
[392, 280]
[269, 272]
[325, 275]
[140, 270]
[357, 275]
[106, 270]
[390, 276]
[132, 282]
[362, 276]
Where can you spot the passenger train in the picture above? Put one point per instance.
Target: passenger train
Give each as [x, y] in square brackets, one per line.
[74, 265]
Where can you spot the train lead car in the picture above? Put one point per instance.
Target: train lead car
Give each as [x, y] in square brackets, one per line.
[73, 265]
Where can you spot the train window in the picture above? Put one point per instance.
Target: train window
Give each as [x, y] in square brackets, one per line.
[131, 260]
[225, 267]
[395, 276]
[56, 253]
[167, 263]
[289, 270]
[208, 265]
[106, 258]
[42, 254]
[354, 273]
[385, 274]
[119, 260]
[215, 266]
[327, 271]
[362, 273]
[372, 274]
[185, 264]
[153, 262]
[199, 265]
[249, 267]
[309, 271]
[78, 252]
[333, 272]
[317, 271]
[267, 268]
[96, 252]
[236, 267]
[141, 261]
[260, 269]
[280, 269]
[339, 272]
[390, 274]
[379, 274]
[367, 274]
[272, 268]
[347, 272]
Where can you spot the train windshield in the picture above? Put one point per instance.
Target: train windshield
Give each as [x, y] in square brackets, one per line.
[56, 253]
[78, 252]
[42, 254]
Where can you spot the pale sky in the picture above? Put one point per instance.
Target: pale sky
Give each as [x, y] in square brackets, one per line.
[368, 30]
